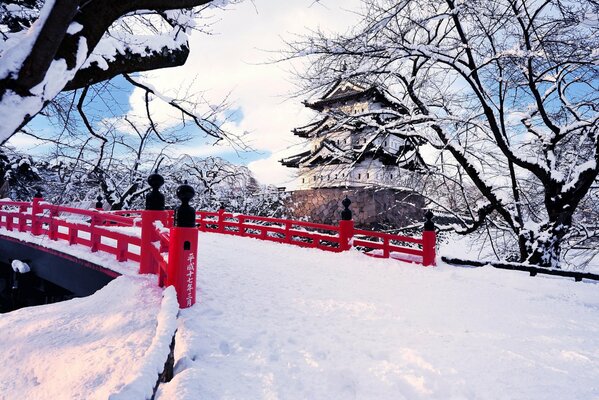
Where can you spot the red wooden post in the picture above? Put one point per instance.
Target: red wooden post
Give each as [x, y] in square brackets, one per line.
[53, 228]
[73, 234]
[240, 222]
[122, 247]
[287, 228]
[346, 226]
[429, 241]
[154, 212]
[386, 247]
[36, 225]
[183, 248]
[94, 236]
[9, 221]
[221, 219]
[22, 219]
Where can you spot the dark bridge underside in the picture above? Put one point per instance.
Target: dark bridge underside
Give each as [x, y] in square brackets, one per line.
[78, 276]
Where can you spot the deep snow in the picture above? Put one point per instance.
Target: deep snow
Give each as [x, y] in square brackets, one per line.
[107, 345]
[280, 322]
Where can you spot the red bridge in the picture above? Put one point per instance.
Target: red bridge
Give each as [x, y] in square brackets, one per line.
[165, 242]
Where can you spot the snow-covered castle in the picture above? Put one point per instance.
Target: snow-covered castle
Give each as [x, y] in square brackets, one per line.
[346, 153]
[346, 156]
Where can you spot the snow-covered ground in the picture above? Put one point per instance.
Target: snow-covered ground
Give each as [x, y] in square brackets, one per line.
[279, 322]
[111, 344]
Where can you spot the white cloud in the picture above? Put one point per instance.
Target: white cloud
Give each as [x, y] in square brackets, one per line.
[232, 61]
[269, 170]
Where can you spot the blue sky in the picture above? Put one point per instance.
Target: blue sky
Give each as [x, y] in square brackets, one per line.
[231, 63]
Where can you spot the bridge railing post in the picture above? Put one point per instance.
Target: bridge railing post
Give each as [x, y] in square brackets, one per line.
[429, 241]
[22, 219]
[183, 248]
[221, 219]
[122, 248]
[94, 236]
[154, 212]
[36, 225]
[346, 226]
[52, 227]
[9, 221]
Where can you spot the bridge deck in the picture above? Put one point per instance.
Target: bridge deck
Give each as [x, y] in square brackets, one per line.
[280, 322]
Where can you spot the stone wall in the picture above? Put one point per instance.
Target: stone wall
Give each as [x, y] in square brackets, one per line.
[372, 208]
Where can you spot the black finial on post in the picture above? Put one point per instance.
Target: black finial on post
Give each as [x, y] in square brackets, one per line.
[429, 225]
[346, 214]
[99, 202]
[185, 215]
[38, 193]
[155, 199]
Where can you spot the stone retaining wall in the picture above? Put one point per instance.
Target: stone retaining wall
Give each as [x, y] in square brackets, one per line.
[371, 207]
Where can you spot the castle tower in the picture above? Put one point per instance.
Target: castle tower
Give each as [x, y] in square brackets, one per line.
[347, 153]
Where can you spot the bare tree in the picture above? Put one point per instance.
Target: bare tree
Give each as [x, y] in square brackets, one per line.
[506, 90]
[47, 47]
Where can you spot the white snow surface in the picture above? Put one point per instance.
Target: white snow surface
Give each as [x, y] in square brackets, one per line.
[276, 321]
[20, 266]
[108, 345]
[280, 322]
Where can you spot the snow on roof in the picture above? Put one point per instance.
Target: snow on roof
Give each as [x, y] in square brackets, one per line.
[345, 90]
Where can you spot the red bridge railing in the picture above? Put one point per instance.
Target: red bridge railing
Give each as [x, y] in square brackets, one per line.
[91, 228]
[324, 237]
[165, 242]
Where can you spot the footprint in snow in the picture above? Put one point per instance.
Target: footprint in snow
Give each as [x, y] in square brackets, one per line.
[224, 348]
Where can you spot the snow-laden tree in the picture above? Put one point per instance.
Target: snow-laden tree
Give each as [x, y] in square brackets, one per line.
[506, 91]
[122, 182]
[219, 183]
[51, 46]
[19, 177]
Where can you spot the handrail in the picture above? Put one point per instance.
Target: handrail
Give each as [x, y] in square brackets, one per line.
[310, 234]
[94, 231]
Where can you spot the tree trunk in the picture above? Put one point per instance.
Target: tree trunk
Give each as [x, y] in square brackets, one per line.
[542, 246]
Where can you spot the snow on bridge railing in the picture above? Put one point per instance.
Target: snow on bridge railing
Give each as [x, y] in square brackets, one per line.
[325, 237]
[299, 233]
[165, 242]
[92, 228]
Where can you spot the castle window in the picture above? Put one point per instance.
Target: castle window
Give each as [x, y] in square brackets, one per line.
[303, 180]
[359, 176]
[367, 175]
[385, 143]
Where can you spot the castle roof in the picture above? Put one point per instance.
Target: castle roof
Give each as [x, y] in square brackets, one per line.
[329, 153]
[307, 130]
[343, 90]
